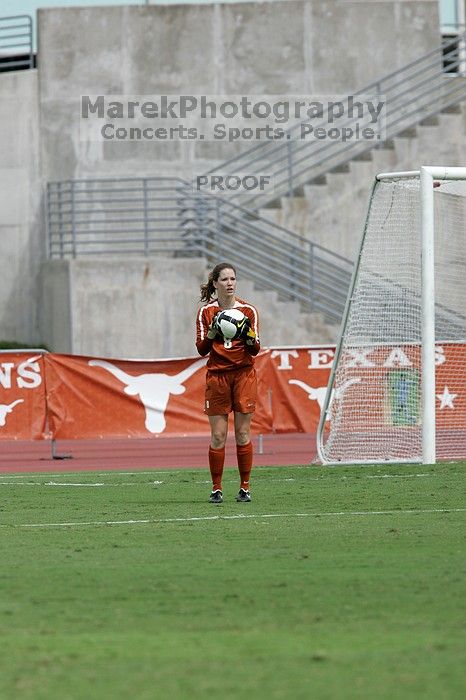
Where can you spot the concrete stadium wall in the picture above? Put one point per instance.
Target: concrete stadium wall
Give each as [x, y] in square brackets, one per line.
[308, 47]
[299, 46]
[333, 214]
[22, 240]
[141, 307]
[147, 307]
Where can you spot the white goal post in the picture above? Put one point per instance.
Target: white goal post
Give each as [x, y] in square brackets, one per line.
[397, 389]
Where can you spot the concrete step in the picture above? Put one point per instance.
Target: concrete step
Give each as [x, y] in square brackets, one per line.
[434, 144]
[384, 159]
[409, 133]
[386, 145]
[313, 193]
[364, 156]
[389, 143]
[362, 170]
[274, 204]
[344, 168]
[429, 121]
[453, 124]
[292, 204]
[270, 214]
[320, 180]
[434, 148]
[333, 208]
[333, 214]
[337, 181]
[407, 153]
[284, 322]
[452, 109]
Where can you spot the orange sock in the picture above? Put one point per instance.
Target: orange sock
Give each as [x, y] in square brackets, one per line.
[244, 454]
[216, 462]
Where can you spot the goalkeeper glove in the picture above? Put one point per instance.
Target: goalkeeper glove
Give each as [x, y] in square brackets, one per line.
[247, 334]
[250, 336]
[213, 329]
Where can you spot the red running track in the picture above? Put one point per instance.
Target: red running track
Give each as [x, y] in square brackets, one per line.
[151, 453]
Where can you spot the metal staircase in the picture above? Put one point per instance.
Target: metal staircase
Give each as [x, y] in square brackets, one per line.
[414, 93]
[16, 43]
[147, 216]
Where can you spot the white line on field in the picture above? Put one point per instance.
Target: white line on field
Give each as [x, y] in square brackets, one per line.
[167, 472]
[122, 483]
[241, 516]
[48, 483]
[71, 483]
[203, 481]
[392, 476]
[115, 472]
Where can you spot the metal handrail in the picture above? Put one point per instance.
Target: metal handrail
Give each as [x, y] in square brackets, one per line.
[18, 54]
[419, 90]
[92, 216]
[85, 218]
[402, 122]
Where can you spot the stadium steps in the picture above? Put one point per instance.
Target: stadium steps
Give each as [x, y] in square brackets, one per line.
[332, 210]
[283, 322]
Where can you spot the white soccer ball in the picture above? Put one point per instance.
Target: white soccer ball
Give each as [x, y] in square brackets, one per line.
[230, 323]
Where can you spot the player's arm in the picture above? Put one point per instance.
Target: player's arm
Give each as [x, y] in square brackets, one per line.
[205, 333]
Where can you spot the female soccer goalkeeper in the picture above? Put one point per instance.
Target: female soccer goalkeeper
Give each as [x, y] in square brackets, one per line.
[231, 378]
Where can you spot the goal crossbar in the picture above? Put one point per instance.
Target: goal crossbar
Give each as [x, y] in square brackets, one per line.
[437, 172]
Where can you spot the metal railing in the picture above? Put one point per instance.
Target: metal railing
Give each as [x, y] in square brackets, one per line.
[454, 49]
[155, 215]
[114, 216]
[16, 43]
[149, 216]
[419, 90]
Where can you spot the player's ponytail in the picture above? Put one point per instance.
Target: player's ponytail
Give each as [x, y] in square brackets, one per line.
[208, 290]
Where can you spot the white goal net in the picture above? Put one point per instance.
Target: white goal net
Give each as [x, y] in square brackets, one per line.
[397, 391]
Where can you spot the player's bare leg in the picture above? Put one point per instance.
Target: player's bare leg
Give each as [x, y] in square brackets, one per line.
[219, 432]
[244, 453]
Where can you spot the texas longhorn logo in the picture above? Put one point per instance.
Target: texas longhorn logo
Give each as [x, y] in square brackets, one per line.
[7, 408]
[154, 390]
[318, 393]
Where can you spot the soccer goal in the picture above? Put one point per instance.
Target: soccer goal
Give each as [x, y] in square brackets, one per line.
[397, 390]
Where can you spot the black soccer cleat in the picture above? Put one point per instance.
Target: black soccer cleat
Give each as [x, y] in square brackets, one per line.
[243, 496]
[216, 497]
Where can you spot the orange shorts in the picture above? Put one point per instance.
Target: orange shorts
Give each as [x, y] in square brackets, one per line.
[234, 390]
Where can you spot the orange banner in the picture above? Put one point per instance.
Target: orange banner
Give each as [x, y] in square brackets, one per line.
[69, 396]
[298, 381]
[22, 396]
[94, 397]
[396, 370]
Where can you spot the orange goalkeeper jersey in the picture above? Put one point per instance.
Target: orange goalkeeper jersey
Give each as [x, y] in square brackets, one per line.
[226, 358]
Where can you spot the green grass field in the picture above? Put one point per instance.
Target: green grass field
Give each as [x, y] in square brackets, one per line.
[344, 582]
